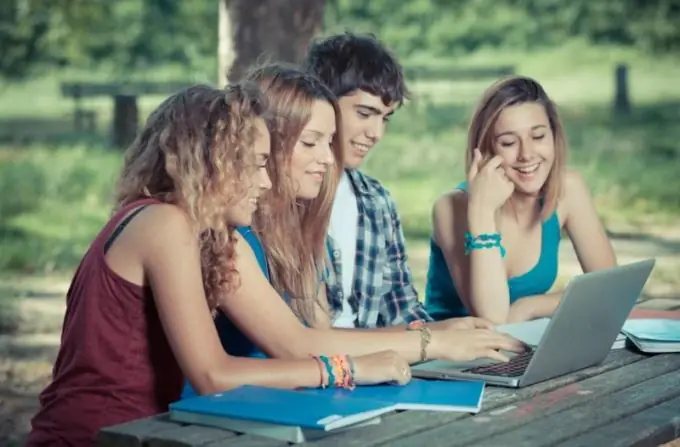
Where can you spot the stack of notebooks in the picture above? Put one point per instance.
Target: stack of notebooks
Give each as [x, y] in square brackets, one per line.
[654, 335]
[307, 414]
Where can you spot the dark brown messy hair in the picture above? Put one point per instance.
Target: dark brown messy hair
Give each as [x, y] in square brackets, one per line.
[293, 230]
[195, 152]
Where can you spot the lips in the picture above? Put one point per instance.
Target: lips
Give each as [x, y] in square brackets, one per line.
[361, 148]
[318, 175]
[529, 169]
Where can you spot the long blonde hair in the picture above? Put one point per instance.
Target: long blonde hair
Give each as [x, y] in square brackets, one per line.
[508, 92]
[293, 231]
[195, 151]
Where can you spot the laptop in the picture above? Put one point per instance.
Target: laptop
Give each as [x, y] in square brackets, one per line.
[580, 333]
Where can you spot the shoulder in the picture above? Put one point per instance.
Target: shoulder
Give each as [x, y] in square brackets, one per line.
[573, 180]
[160, 231]
[450, 204]
[163, 223]
[367, 184]
[370, 186]
[448, 212]
[575, 189]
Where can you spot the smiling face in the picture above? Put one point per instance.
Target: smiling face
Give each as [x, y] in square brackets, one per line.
[312, 154]
[242, 213]
[364, 118]
[523, 137]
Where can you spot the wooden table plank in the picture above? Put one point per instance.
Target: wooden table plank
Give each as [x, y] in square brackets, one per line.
[252, 441]
[396, 426]
[190, 436]
[469, 431]
[651, 427]
[135, 433]
[560, 427]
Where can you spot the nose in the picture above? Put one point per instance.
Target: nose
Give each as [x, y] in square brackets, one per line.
[325, 156]
[376, 128]
[265, 182]
[526, 149]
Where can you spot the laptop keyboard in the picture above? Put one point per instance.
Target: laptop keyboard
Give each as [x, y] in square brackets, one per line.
[514, 368]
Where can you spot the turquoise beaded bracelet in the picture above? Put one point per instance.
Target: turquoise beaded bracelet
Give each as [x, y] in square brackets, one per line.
[481, 241]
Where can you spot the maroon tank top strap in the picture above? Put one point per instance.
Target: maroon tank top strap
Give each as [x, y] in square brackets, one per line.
[121, 218]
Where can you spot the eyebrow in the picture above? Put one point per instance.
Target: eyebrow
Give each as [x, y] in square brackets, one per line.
[374, 110]
[317, 134]
[312, 131]
[509, 132]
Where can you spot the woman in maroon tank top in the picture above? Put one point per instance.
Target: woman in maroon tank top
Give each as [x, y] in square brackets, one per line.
[139, 309]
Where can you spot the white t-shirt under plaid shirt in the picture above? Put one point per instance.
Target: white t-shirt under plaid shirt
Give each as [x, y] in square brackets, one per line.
[343, 228]
[382, 291]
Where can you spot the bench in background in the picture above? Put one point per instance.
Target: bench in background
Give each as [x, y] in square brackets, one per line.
[125, 107]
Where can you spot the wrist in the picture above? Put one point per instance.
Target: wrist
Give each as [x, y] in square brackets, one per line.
[424, 338]
[435, 350]
[481, 219]
[521, 310]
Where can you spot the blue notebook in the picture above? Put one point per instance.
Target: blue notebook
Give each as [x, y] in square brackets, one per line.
[657, 329]
[654, 335]
[288, 415]
[418, 394]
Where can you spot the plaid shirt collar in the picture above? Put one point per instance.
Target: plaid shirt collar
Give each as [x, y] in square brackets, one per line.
[382, 288]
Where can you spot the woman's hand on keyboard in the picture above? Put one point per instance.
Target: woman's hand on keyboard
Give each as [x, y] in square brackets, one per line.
[464, 345]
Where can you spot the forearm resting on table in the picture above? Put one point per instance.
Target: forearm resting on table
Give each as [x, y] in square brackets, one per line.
[356, 342]
[386, 329]
[536, 306]
[234, 372]
[323, 339]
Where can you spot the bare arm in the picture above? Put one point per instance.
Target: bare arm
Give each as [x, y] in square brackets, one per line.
[169, 255]
[583, 225]
[479, 278]
[263, 316]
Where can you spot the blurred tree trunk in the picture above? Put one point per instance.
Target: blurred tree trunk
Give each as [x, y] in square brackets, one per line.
[225, 43]
[276, 30]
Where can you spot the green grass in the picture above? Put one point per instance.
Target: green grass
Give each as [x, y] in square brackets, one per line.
[55, 186]
[53, 202]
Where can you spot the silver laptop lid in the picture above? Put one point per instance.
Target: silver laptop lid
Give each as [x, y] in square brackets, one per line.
[588, 319]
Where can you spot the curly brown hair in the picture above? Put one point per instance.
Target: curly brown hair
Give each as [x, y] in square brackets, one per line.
[195, 152]
[295, 240]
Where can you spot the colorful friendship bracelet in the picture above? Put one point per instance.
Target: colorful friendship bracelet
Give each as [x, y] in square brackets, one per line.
[339, 370]
[482, 241]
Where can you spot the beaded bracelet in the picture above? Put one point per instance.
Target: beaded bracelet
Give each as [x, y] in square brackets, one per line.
[481, 241]
[339, 370]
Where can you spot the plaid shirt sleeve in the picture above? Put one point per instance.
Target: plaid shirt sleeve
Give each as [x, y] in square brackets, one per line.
[399, 304]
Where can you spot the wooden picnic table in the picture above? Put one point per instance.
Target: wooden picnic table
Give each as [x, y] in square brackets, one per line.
[631, 399]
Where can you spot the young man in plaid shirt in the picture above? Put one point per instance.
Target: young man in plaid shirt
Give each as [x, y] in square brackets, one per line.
[373, 286]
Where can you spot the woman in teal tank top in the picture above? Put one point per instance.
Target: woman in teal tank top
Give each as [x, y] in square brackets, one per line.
[494, 251]
[442, 298]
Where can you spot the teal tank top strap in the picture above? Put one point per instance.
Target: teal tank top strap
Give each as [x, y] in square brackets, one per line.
[256, 245]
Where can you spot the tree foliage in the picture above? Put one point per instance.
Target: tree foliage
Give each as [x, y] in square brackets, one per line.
[132, 34]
